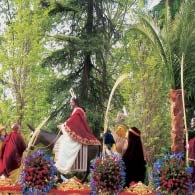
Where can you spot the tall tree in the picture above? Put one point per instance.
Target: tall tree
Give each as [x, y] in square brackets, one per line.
[25, 82]
[89, 29]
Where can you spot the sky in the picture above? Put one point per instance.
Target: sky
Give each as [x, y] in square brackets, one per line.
[152, 3]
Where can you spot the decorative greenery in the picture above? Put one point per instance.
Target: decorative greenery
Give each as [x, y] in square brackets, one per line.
[172, 175]
[38, 173]
[107, 174]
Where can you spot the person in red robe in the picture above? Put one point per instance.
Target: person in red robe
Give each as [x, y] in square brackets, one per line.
[191, 148]
[76, 136]
[12, 150]
[77, 126]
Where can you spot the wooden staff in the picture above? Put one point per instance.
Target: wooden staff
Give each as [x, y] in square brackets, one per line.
[36, 133]
[184, 113]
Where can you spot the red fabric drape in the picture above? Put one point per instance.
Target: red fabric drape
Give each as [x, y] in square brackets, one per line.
[191, 154]
[60, 192]
[11, 153]
[78, 128]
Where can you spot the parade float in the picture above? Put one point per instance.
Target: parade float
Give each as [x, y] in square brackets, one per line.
[170, 174]
[38, 177]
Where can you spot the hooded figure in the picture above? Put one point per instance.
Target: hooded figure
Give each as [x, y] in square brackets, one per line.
[12, 150]
[134, 158]
[191, 149]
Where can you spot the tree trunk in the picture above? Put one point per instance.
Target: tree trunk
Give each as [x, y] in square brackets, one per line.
[177, 124]
[87, 64]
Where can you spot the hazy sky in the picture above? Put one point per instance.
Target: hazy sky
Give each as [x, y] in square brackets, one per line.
[151, 3]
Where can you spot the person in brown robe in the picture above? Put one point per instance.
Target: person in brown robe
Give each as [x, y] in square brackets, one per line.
[134, 158]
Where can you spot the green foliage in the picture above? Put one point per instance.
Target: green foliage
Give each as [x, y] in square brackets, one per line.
[84, 33]
[169, 45]
[145, 95]
[25, 82]
[159, 11]
[178, 35]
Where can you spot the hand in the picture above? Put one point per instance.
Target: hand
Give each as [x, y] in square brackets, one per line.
[102, 134]
[59, 126]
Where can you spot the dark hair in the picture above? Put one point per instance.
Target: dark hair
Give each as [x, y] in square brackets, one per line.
[136, 130]
[109, 139]
[134, 149]
[134, 158]
[75, 100]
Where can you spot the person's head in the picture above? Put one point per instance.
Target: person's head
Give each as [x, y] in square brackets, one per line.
[108, 139]
[2, 131]
[134, 131]
[120, 118]
[15, 127]
[134, 149]
[192, 123]
[121, 131]
[74, 102]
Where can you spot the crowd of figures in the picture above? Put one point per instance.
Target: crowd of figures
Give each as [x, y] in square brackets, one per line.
[126, 142]
[70, 150]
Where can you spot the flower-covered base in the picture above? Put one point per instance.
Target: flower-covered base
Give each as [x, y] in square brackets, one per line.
[73, 186]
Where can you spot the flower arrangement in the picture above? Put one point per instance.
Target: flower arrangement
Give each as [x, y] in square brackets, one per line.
[172, 175]
[107, 174]
[37, 174]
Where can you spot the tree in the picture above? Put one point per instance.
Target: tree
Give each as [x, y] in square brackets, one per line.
[175, 32]
[144, 93]
[85, 33]
[159, 11]
[24, 81]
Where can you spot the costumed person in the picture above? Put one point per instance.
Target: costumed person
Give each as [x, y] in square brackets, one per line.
[134, 158]
[108, 141]
[120, 134]
[191, 148]
[191, 131]
[3, 134]
[71, 148]
[12, 151]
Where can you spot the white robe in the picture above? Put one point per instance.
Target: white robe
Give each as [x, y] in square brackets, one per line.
[65, 150]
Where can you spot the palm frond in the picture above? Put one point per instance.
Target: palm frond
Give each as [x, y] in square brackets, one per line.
[146, 25]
